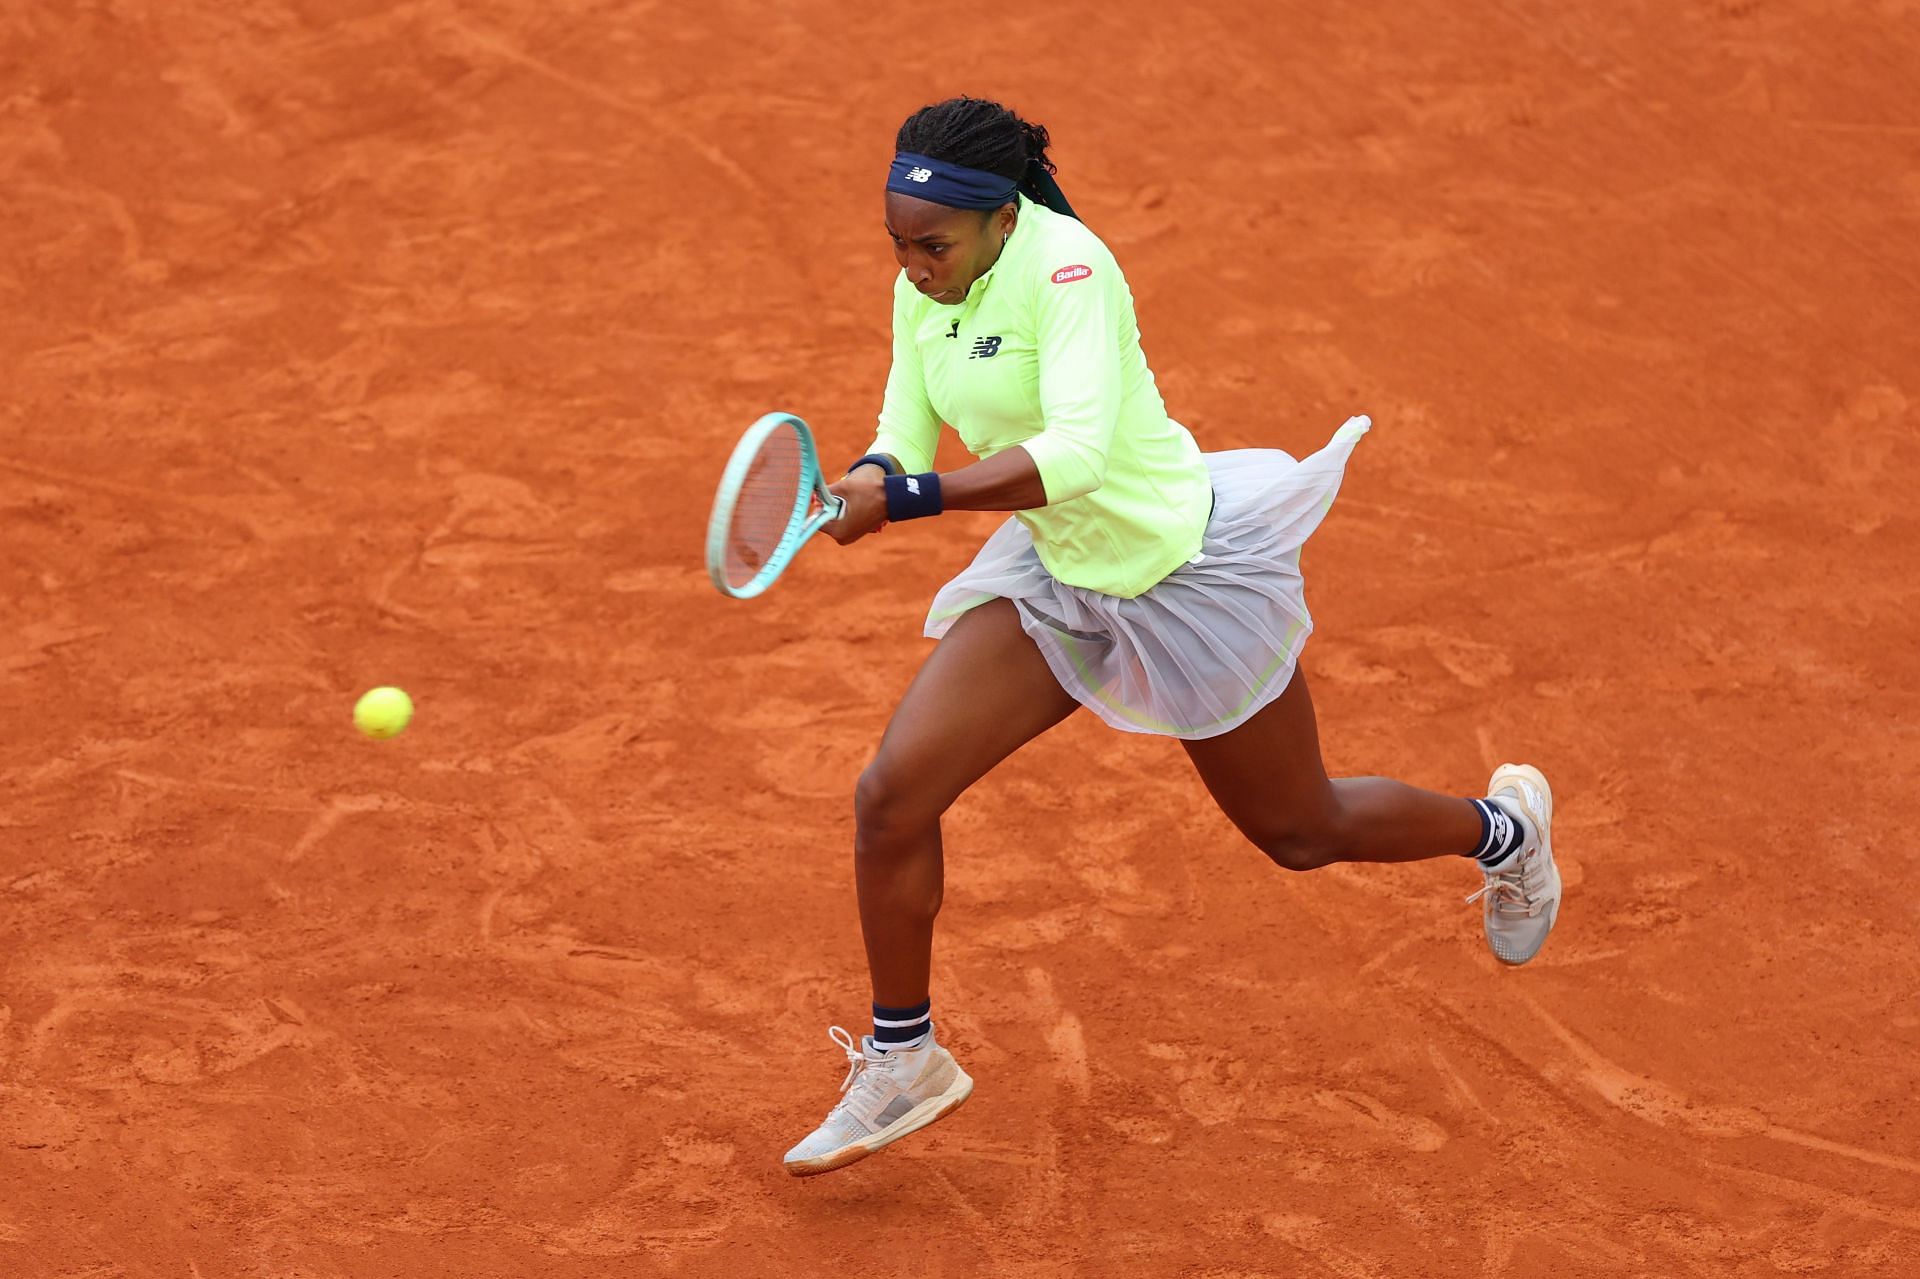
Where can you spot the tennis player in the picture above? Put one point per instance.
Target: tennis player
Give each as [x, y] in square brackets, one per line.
[1156, 585]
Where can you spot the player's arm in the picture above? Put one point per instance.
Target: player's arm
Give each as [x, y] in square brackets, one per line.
[909, 429]
[1007, 481]
[1077, 323]
[1077, 319]
[1077, 326]
[908, 434]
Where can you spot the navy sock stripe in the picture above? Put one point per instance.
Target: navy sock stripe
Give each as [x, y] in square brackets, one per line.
[1486, 828]
[901, 1025]
[1500, 832]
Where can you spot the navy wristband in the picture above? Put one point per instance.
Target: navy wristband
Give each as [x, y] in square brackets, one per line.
[910, 497]
[882, 460]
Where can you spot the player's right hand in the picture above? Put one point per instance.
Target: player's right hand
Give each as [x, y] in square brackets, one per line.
[864, 491]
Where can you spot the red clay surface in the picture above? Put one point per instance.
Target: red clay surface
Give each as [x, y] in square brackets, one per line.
[361, 343]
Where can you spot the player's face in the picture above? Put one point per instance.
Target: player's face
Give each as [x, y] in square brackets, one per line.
[942, 250]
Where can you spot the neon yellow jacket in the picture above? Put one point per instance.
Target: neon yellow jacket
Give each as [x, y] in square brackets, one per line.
[1045, 353]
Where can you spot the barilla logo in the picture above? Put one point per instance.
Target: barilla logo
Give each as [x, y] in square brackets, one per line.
[1068, 274]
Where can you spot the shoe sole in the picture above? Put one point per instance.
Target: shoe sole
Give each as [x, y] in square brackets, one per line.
[1505, 777]
[913, 1121]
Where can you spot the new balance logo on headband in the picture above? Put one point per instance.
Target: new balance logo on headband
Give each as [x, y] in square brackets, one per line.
[919, 175]
[984, 348]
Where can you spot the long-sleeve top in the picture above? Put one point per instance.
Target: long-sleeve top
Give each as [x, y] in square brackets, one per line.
[1045, 353]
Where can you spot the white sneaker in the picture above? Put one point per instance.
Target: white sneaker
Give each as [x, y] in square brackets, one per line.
[1522, 894]
[887, 1096]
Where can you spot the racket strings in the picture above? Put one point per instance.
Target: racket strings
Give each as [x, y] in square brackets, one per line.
[764, 511]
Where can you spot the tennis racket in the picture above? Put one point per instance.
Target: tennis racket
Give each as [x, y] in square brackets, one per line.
[771, 499]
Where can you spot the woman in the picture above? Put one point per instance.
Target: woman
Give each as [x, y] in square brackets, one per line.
[1153, 584]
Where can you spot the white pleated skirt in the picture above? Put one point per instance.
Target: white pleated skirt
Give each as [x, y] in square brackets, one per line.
[1210, 644]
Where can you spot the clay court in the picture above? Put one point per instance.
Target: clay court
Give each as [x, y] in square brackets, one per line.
[357, 342]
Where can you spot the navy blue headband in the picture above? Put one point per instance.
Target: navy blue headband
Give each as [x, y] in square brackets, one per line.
[953, 185]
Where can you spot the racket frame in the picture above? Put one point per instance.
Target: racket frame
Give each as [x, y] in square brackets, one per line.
[801, 525]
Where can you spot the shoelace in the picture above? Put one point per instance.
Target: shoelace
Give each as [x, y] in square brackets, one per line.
[1513, 889]
[857, 1063]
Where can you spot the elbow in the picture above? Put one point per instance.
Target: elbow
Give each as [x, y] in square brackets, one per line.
[1068, 468]
[1068, 492]
[1081, 474]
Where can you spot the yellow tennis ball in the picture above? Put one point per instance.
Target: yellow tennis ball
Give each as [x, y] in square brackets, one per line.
[382, 712]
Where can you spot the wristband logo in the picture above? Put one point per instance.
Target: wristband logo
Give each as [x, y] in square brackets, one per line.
[1068, 274]
[913, 486]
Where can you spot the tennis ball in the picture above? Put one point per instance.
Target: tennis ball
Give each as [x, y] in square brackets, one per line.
[382, 712]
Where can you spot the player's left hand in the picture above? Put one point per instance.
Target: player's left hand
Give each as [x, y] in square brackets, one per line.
[864, 492]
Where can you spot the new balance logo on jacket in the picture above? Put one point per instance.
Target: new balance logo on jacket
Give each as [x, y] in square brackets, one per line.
[984, 348]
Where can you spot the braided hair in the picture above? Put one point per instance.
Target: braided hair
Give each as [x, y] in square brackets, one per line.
[984, 135]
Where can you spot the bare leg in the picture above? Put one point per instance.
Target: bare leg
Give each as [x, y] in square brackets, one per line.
[1267, 777]
[983, 693]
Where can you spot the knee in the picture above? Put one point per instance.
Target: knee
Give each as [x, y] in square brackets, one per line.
[1299, 845]
[886, 810]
